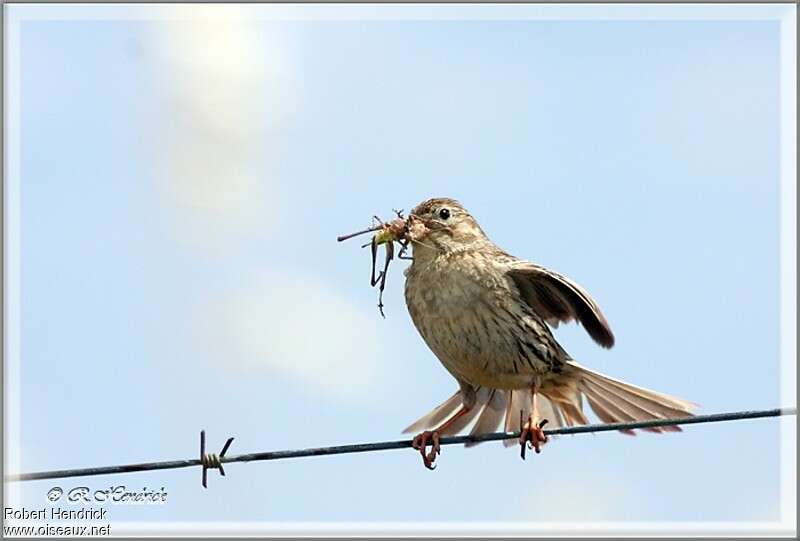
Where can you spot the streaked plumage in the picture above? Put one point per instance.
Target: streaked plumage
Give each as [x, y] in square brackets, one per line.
[486, 315]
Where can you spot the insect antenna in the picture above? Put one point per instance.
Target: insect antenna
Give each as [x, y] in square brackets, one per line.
[341, 238]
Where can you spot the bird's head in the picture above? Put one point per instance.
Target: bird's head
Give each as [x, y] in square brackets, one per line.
[447, 227]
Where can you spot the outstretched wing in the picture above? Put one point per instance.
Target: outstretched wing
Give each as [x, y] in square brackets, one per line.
[558, 299]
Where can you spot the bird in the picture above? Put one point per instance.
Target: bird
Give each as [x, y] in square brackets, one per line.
[488, 317]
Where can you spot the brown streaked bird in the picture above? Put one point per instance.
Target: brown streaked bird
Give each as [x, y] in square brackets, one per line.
[487, 316]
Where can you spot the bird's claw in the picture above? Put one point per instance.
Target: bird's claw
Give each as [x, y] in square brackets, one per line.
[531, 436]
[420, 443]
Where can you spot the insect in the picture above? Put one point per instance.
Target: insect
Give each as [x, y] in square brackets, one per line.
[398, 230]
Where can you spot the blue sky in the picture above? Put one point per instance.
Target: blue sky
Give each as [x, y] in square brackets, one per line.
[180, 197]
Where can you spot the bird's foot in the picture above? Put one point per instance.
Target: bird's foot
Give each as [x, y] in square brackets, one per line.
[531, 436]
[420, 443]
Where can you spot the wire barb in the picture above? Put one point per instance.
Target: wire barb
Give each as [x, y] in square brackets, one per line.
[212, 460]
[215, 461]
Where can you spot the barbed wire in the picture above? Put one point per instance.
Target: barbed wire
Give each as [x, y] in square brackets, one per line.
[215, 461]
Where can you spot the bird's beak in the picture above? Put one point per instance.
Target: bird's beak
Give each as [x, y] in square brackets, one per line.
[417, 229]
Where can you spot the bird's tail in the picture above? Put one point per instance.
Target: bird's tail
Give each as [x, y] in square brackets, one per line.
[615, 401]
[612, 400]
[488, 413]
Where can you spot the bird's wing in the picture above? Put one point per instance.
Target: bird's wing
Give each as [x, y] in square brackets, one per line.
[556, 299]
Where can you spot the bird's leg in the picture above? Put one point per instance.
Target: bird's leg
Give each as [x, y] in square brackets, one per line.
[531, 434]
[420, 442]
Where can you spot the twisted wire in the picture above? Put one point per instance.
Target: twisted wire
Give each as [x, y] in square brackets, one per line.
[215, 461]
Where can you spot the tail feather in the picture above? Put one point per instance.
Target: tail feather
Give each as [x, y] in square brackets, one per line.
[437, 415]
[614, 406]
[482, 396]
[545, 409]
[615, 401]
[566, 398]
[573, 414]
[491, 415]
[649, 402]
[600, 409]
[612, 400]
[519, 407]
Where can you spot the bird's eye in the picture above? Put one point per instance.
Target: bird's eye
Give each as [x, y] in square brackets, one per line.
[444, 214]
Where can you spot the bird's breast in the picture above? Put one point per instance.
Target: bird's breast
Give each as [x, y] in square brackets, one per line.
[466, 314]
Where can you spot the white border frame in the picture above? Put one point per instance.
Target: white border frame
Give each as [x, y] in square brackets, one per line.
[785, 13]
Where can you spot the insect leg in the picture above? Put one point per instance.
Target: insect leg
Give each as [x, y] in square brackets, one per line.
[402, 253]
[374, 248]
[383, 274]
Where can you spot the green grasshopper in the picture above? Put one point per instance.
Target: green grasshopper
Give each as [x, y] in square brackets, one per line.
[386, 233]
